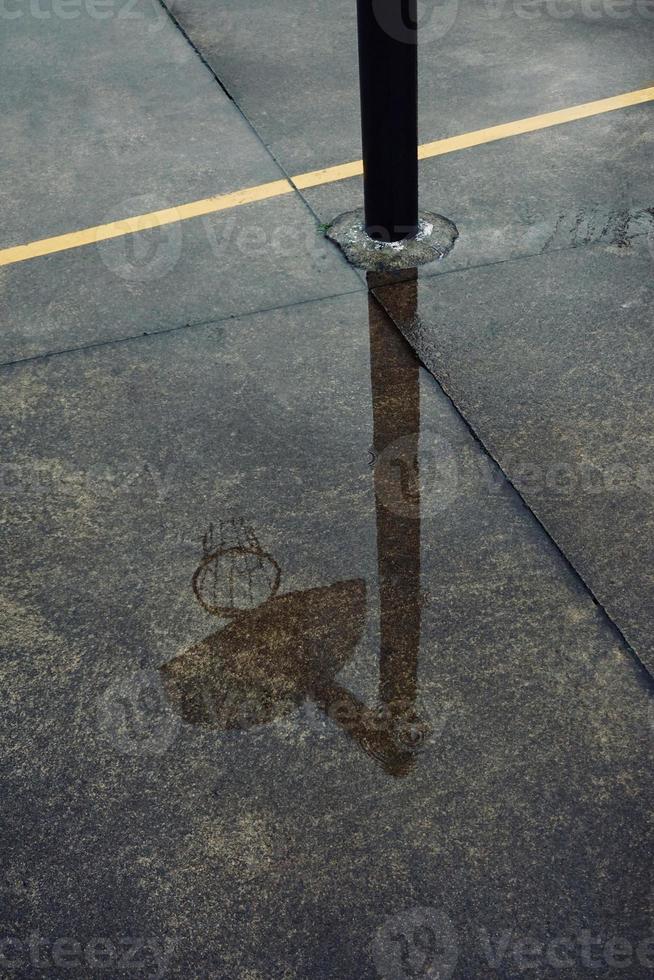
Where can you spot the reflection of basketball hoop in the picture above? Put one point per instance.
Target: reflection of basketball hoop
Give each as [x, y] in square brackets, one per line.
[235, 574]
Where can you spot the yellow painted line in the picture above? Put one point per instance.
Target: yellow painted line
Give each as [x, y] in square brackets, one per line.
[479, 136]
[534, 123]
[141, 222]
[328, 176]
[277, 188]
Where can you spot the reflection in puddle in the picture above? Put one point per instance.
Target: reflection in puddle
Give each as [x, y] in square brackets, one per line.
[235, 573]
[281, 651]
[269, 660]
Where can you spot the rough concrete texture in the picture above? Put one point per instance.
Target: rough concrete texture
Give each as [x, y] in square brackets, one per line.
[139, 115]
[461, 756]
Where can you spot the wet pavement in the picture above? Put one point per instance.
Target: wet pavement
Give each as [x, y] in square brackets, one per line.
[322, 660]
[292, 674]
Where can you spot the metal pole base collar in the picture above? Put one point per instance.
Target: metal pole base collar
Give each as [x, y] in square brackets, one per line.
[435, 238]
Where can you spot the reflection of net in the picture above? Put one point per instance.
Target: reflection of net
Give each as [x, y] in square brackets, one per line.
[236, 573]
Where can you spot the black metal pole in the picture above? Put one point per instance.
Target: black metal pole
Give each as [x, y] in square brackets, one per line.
[388, 66]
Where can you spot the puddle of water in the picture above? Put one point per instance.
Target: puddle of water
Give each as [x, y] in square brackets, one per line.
[280, 651]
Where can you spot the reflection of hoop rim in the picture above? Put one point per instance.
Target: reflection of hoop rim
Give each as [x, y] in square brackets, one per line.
[228, 612]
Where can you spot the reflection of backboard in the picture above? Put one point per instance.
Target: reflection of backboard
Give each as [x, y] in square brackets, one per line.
[268, 660]
[235, 573]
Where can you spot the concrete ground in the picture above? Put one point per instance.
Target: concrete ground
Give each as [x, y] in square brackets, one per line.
[328, 651]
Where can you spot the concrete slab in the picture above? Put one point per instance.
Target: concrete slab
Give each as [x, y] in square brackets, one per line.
[110, 113]
[425, 741]
[293, 69]
[551, 361]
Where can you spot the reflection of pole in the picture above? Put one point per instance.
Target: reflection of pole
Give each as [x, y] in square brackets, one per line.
[396, 421]
[375, 732]
[388, 68]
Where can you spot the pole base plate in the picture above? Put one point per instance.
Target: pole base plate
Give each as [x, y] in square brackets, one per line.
[435, 238]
